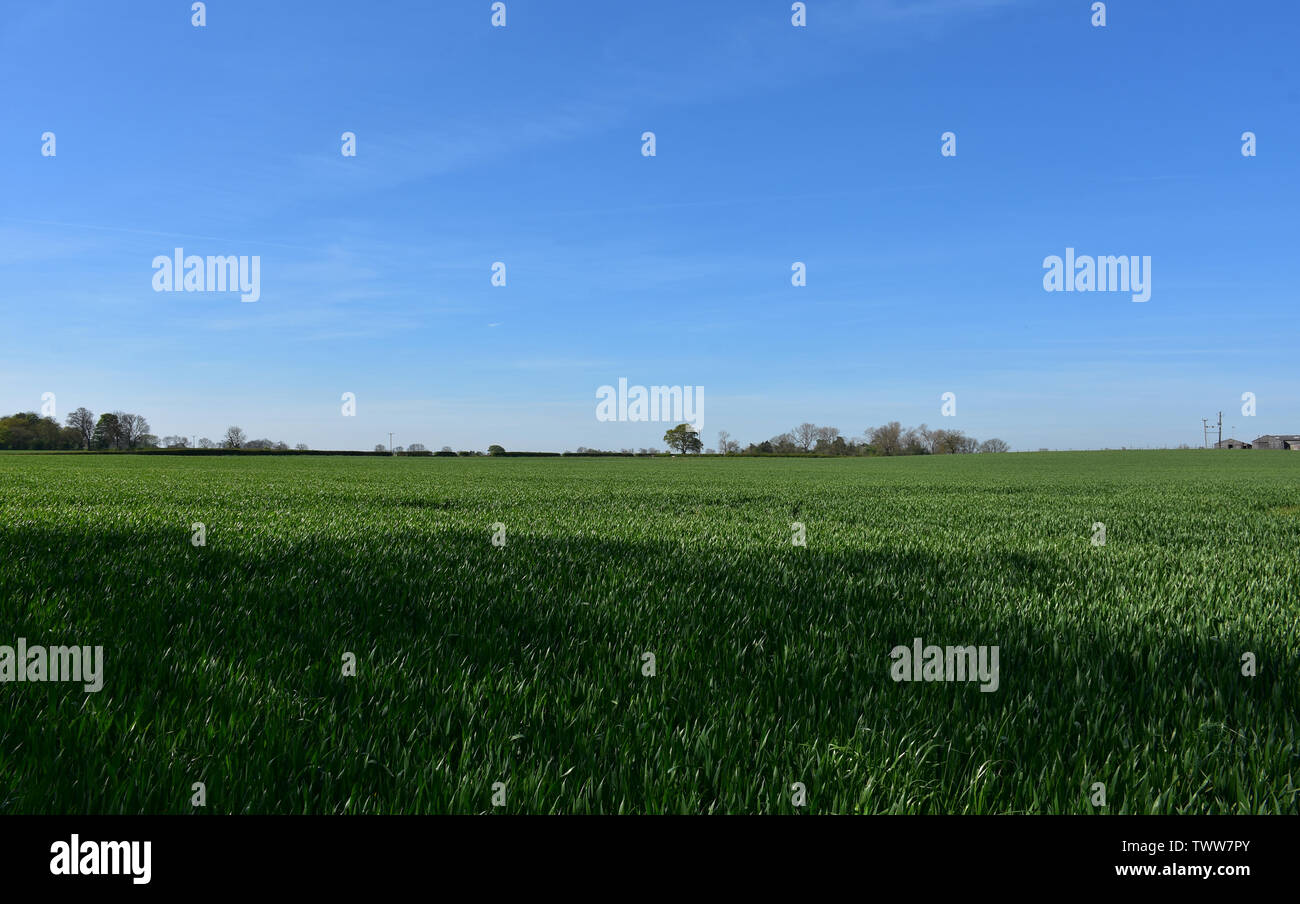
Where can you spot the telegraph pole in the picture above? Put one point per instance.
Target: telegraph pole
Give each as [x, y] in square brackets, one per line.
[1205, 431]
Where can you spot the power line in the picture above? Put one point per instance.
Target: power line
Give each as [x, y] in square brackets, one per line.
[1206, 427]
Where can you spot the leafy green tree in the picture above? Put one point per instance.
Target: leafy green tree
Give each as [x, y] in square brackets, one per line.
[684, 439]
[108, 432]
[28, 430]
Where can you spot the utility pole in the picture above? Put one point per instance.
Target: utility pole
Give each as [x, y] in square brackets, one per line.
[1205, 430]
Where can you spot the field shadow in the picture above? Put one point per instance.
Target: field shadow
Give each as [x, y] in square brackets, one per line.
[528, 660]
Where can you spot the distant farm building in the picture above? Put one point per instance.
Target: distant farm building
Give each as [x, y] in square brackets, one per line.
[1231, 443]
[1289, 441]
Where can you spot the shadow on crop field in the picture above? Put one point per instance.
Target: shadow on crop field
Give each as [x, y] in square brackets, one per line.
[525, 664]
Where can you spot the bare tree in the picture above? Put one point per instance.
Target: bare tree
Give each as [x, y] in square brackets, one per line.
[301, 447]
[825, 438]
[205, 443]
[83, 422]
[134, 428]
[946, 442]
[727, 445]
[140, 433]
[887, 439]
[930, 440]
[125, 428]
[124, 431]
[805, 435]
[235, 438]
[994, 445]
[913, 441]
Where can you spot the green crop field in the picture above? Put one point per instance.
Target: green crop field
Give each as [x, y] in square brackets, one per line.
[1123, 664]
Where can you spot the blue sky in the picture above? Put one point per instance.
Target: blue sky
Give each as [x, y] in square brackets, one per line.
[775, 144]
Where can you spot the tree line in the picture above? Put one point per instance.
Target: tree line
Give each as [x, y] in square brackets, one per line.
[121, 430]
[81, 430]
[117, 430]
[810, 439]
[887, 439]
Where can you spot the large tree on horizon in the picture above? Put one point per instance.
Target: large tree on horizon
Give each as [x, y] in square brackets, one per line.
[83, 421]
[108, 432]
[134, 428]
[684, 439]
